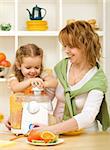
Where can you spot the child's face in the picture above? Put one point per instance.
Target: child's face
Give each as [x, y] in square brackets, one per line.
[31, 66]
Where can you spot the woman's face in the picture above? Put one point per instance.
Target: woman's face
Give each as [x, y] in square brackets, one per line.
[31, 66]
[74, 54]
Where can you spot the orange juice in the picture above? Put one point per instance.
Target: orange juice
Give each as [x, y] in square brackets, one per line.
[1, 117]
[15, 112]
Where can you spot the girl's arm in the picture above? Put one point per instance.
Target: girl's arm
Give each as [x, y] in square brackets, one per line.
[17, 86]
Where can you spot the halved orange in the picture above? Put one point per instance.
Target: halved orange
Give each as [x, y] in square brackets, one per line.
[48, 136]
[28, 91]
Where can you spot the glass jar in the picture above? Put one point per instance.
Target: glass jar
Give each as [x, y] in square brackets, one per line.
[29, 109]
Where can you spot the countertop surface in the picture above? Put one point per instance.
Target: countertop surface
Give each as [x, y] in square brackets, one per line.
[93, 141]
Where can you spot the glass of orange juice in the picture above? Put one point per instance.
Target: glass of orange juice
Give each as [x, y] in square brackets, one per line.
[1, 117]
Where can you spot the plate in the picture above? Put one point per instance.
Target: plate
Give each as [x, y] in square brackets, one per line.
[77, 132]
[59, 141]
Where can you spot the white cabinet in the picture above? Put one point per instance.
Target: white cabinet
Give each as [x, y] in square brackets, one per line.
[58, 12]
[7, 12]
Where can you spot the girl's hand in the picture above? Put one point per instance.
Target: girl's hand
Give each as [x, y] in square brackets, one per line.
[37, 82]
[7, 124]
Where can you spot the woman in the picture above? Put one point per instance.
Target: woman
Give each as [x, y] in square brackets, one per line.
[82, 84]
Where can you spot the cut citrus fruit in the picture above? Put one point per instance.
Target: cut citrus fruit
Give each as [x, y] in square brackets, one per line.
[28, 90]
[40, 137]
[48, 136]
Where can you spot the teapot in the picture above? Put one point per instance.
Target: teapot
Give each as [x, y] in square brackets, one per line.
[37, 13]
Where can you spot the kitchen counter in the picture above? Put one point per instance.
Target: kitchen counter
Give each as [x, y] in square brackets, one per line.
[93, 141]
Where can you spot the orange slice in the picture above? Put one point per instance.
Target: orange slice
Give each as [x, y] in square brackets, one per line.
[48, 136]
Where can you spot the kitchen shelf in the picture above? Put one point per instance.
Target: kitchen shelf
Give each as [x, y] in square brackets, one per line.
[2, 80]
[37, 33]
[7, 33]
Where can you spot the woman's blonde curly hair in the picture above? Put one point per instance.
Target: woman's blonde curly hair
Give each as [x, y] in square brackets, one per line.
[29, 50]
[81, 35]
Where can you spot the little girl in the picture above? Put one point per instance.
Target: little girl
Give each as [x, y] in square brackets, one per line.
[28, 70]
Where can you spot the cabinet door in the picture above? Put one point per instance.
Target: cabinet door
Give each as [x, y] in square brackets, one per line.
[7, 12]
[7, 46]
[49, 46]
[4, 98]
[107, 47]
[83, 10]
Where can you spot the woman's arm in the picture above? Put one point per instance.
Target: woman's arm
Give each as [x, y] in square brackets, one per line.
[81, 120]
[63, 127]
[90, 110]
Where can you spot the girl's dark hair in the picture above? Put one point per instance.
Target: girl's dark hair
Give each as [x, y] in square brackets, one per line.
[81, 35]
[29, 50]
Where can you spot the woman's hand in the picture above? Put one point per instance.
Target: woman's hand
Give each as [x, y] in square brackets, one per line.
[42, 127]
[39, 126]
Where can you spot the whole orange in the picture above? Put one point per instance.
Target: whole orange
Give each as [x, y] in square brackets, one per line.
[5, 63]
[2, 56]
